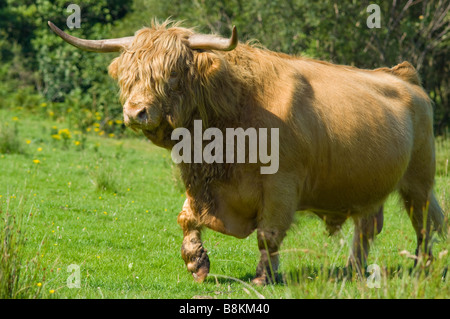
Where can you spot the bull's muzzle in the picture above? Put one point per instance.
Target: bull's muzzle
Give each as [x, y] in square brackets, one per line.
[135, 117]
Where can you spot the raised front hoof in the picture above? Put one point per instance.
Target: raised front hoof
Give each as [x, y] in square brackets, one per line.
[199, 266]
[201, 273]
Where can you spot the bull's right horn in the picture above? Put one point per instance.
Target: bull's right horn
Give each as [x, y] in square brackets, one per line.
[212, 42]
[107, 45]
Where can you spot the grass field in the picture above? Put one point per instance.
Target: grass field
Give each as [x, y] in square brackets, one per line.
[110, 206]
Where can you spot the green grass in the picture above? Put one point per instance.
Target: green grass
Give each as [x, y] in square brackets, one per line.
[110, 206]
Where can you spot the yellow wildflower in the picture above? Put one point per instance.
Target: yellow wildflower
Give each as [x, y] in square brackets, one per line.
[65, 133]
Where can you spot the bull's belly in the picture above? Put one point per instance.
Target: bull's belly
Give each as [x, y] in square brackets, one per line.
[356, 189]
[349, 196]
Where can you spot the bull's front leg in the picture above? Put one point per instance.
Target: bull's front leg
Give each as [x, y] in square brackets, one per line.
[192, 250]
[268, 243]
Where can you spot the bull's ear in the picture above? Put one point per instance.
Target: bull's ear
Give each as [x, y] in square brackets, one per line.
[114, 68]
[208, 64]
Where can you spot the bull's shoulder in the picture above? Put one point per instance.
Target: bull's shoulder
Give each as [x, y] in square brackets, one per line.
[404, 71]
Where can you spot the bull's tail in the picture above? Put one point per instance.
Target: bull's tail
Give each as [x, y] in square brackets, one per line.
[404, 71]
[438, 219]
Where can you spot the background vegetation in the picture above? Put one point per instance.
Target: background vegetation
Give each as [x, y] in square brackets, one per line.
[77, 188]
[37, 65]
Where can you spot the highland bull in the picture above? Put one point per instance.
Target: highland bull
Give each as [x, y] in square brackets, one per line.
[348, 137]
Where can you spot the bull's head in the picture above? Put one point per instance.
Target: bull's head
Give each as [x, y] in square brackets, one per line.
[160, 71]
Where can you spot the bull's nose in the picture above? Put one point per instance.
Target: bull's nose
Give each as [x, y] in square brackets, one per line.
[135, 116]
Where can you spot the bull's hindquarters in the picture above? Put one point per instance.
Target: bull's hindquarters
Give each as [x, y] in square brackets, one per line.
[192, 251]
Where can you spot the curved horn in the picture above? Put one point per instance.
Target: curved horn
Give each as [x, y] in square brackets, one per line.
[211, 42]
[108, 45]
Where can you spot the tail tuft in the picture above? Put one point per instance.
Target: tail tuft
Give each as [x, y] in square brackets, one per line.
[438, 218]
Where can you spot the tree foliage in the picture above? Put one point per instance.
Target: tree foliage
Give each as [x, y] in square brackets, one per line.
[337, 31]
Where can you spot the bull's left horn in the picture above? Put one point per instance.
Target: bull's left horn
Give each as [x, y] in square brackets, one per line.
[212, 42]
[107, 45]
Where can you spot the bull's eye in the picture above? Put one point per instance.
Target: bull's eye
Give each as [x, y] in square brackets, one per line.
[173, 81]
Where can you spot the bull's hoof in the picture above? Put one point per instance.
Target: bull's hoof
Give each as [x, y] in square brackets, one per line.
[201, 274]
[199, 266]
[260, 281]
[265, 279]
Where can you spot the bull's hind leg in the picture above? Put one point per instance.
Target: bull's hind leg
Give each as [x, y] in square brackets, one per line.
[192, 251]
[416, 189]
[426, 216]
[366, 227]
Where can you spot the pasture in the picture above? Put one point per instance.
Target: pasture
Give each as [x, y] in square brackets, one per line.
[110, 206]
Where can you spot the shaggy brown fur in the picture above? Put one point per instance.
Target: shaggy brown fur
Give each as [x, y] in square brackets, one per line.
[348, 138]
